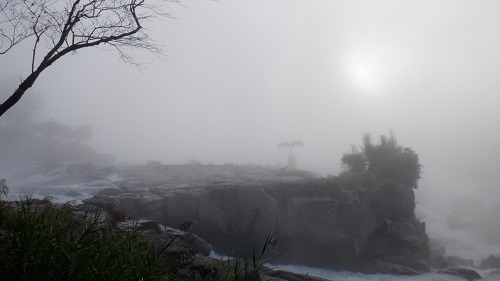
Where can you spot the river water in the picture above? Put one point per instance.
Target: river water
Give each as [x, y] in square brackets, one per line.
[487, 275]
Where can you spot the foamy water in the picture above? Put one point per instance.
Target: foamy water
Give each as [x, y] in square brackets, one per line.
[333, 275]
[354, 276]
[42, 186]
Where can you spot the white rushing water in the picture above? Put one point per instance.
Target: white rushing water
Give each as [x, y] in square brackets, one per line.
[487, 275]
[353, 276]
[40, 186]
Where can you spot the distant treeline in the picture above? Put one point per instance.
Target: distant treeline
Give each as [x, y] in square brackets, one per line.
[24, 139]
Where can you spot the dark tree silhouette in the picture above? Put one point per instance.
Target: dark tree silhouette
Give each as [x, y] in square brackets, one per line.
[61, 27]
[354, 161]
[386, 159]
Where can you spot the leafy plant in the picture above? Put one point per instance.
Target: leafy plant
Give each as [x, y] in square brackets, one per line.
[42, 241]
[354, 161]
[386, 159]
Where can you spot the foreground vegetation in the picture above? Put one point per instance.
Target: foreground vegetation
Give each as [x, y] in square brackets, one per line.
[41, 241]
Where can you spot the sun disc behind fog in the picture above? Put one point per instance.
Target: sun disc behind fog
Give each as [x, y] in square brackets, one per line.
[366, 78]
[365, 72]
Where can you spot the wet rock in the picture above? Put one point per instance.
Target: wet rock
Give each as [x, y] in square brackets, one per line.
[491, 262]
[191, 239]
[380, 266]
[467, 273]
[129, 203]
[404, 231]
[456, 262]
[109, 204]
[230, 215]
[288, 276]
[150, 225]
[436, 252]
[109, 191]
[410, 262]
[318, 222]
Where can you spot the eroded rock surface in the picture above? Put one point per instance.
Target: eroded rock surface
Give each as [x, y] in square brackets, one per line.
[318, 222]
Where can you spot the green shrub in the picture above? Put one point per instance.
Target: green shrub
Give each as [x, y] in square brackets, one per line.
[387, 160]
[42, 241]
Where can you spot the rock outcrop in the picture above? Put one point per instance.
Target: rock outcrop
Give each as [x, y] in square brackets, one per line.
[338, 223]
[491, 262]
[466, 273]
[318, 222]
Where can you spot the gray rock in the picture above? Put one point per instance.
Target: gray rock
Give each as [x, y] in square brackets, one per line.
[491, 262]
[290, 276]
[456, 262]
[318, 222]
[191, 239]
[150, 225]
[381, 266]
[411, 262]
[467, 273]
[401, 230]
[107, 203]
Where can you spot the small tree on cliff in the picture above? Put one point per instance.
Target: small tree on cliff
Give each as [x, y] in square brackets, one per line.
[61, 27]
[291, 160]
[386, 159]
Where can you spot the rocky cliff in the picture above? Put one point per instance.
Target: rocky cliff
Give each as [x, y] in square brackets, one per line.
[317, 221]
[355, 222]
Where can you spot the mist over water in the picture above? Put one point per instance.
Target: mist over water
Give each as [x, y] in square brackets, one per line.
[240, 78]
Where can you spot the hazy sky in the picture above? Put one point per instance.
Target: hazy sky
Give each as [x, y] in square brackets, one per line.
[242, 76]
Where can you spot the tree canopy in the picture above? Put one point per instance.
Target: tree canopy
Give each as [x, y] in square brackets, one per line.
[386, 159]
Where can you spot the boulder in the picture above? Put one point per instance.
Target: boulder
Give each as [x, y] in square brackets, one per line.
[282, 275]
[436, 252]
[491, 262]
[467, 273]
[107, 203]
[129, 203]
[456, 262]
[411, 262]
[150, 225]
[197, 243]
[380, 266]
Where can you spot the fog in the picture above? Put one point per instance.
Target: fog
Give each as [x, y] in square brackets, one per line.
[239, 77]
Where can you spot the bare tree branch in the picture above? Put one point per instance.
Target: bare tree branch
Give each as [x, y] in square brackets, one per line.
[59, 27]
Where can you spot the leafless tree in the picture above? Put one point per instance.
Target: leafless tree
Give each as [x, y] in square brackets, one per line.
[56, 28]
